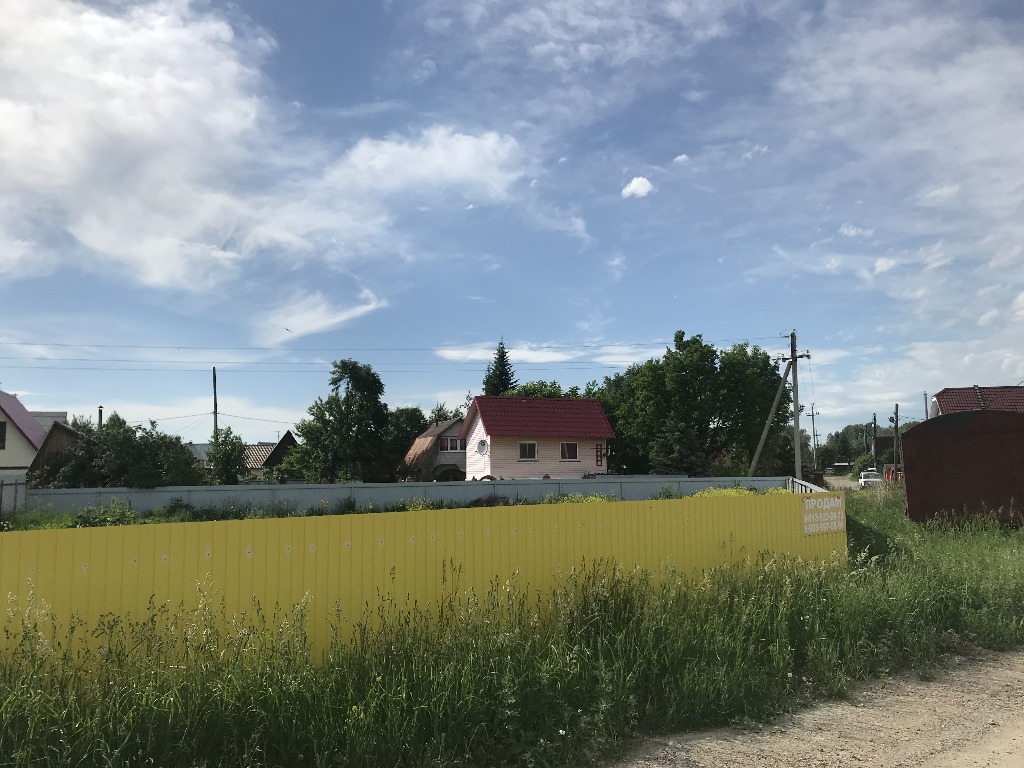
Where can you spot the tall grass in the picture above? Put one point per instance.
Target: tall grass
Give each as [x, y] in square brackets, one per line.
[509, 677]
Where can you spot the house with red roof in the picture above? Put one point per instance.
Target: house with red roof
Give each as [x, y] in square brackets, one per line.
[20, 436]
[960, 399]
[535, 437]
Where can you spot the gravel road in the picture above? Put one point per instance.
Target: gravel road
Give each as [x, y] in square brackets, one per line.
[970, 714]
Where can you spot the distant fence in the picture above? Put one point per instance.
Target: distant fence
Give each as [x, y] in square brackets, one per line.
[301, 496]
[355, 561]
[13, 493]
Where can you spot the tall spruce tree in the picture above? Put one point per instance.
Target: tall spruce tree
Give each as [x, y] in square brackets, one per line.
[500, 377]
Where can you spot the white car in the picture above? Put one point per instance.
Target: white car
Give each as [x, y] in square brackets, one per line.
[869, 478]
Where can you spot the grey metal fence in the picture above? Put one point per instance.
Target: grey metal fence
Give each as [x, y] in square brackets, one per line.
[296, 496]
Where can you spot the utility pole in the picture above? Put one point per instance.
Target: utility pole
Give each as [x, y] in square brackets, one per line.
[895, 421]
[896, 440]
[797, 461]
[926, 406]
[814, 436]
[874, 438]
[215, 435]
[771, 416]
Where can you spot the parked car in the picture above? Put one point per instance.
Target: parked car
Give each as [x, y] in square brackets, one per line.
[870, 477]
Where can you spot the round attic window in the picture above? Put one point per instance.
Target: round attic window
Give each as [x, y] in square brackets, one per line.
[481, 447]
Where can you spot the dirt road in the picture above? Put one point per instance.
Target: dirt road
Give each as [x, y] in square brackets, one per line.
[970, 714]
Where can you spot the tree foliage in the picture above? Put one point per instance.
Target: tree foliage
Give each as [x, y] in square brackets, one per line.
[404, 426]
[543, 388]
[344, 437]
[695, 410]
[499, 378]
[351, 435]
[119, 455]
[227, 457]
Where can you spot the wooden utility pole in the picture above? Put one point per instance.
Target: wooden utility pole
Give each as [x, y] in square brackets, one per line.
[214, 402]
[814, 437]
[874, 438]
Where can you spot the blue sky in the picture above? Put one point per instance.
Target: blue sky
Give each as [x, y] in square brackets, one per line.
[266, 187]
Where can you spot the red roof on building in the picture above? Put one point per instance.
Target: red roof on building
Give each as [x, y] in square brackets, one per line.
[22, 420]
[538, 417]
[958, 399]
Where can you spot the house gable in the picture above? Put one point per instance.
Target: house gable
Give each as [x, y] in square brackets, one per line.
[21, 436]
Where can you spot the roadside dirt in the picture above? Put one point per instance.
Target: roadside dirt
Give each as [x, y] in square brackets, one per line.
[970, 714]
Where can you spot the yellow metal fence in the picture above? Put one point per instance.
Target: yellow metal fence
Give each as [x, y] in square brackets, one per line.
[353, 561]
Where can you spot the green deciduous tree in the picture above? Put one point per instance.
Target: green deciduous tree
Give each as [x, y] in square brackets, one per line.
[227, 457]
[345, 437]
[404, 426]
[695, 410]
[500, 377]
[543, 389]
[121, 455]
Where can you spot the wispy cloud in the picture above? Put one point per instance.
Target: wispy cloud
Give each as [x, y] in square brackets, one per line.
[851, 230]
[757, 149]
[306, 314]
[940, 195]
[617, 266]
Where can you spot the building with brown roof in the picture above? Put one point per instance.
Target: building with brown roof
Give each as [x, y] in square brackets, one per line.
[960, 399]
[437, 454]
[535, 437]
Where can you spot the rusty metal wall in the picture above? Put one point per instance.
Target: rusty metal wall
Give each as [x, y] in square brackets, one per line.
[965, 464]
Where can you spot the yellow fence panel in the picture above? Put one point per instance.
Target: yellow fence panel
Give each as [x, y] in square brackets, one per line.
[356, 561]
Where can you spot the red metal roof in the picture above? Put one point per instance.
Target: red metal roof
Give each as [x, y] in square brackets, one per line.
[539, 417]
[959, 399]
[22, 420]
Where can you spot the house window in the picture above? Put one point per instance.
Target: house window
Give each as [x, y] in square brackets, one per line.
[570, 451]
[527, 451]
[452, 444]
[3, 435]
[599, 454]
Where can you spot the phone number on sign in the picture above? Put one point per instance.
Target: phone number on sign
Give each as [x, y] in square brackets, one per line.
[824, 522]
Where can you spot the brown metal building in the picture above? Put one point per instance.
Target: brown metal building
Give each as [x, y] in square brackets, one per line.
[964, 464]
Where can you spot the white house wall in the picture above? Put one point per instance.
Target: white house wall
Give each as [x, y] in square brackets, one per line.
[18, 453]
[477, 465]
[505, 461]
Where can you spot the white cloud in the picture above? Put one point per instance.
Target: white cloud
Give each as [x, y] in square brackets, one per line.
[1018, 306]
[626, 354]
[523, 353]
[467, 353]
[939, 195]
[306, 314]
[757, 149]
[138, 140]
[638, 187]
[851, 230]
[988, 317]
[681, 159]
[883, 265]
[617, 267]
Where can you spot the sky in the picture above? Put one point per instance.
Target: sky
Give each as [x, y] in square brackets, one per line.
[267, 187]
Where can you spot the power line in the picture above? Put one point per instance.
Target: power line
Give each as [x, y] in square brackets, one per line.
[658, 342]
[253, 418]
